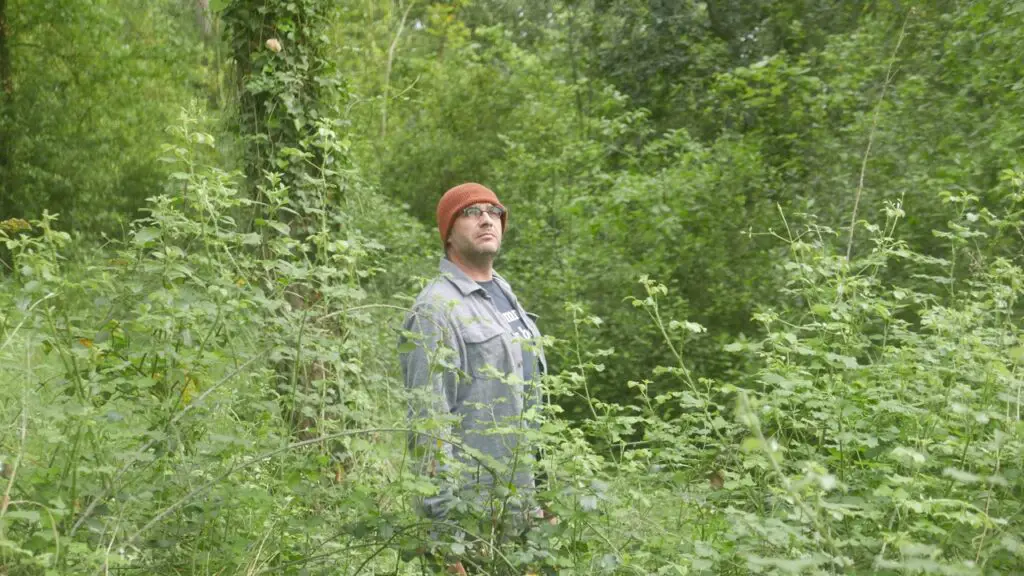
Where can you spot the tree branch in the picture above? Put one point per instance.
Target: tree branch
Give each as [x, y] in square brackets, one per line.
[387, 71]
[871, 137]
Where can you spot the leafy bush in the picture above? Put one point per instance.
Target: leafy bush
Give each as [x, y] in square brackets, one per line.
[216, 392]
[88, 90]
[203, 398]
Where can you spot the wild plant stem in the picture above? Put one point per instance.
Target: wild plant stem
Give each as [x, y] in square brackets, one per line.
[656, 316]
[988, 504]
[22, 435]
[579, 365]
[14, 332]
[871, 138]
[68, 361]
[809, 512]
[387, 71]
[295, 366]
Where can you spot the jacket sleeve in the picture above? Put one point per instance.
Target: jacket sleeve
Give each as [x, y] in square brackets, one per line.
[429, 357]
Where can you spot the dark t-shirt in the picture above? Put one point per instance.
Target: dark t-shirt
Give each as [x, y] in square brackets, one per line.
[519, 329]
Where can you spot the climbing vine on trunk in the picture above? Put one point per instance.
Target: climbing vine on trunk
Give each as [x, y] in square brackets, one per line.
[289, 96]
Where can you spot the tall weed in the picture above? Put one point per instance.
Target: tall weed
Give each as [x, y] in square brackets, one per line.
[210, 398]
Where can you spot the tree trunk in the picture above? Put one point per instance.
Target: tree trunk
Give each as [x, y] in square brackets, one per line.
[6, 116]
[203, 20]
[5, 52]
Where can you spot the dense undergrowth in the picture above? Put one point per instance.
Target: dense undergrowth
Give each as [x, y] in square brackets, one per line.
[203, 399]
[775, 247]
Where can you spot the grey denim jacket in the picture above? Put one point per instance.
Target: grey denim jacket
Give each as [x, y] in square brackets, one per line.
[472, 369]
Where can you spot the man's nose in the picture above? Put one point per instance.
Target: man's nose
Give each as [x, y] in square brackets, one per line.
[487, 219]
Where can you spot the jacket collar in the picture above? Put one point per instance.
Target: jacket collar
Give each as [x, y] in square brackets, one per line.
[464, 283]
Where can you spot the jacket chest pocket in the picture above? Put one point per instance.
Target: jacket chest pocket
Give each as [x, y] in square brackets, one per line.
[490, 357]
[485, 350]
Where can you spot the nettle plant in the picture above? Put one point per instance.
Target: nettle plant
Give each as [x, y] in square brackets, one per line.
[168, 399]
[210, 398]
[882, 432]
[886, 420]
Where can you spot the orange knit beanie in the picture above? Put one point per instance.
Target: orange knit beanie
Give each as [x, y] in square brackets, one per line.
[458, 198]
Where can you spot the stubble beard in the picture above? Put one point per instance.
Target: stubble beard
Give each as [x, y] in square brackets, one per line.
[482, 255]
[476, 255]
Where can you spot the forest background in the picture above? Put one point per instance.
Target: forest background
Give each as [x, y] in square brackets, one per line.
[775, 246]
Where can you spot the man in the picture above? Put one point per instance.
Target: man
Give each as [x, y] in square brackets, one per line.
[474, 351]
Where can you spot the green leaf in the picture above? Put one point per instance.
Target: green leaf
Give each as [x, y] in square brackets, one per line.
[1017, 354]
[961, 476]
[844, 361]
[144, 236]
[1013, 545]
[702, 564]
[907, 455]
[281, 227]
[821, 309]
[784, 382]
[751, 445]
[12, 546]
[29, 515]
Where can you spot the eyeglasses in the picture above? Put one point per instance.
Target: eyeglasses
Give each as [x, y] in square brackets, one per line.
[477, 211]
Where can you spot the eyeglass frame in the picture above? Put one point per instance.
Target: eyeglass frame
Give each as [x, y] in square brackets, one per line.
[493, 210]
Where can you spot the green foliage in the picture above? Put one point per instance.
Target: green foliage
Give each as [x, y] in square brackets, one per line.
[662, 54]
[169, 380]
[92, 86]
[748, 377]
[880, 432]
[894, 395]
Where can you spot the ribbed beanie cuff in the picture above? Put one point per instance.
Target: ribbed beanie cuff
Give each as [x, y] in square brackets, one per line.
[457, 198]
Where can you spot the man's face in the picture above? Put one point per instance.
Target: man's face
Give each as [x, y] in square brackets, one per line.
[473, 238]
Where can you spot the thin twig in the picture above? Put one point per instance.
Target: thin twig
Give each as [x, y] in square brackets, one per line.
[381, 548]
[259, 551]
[477, 538]
[988, 503]
[363, 307]
[5, 502]
[23, 320]
[309, 559]
[387, 71]
[871, 137]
